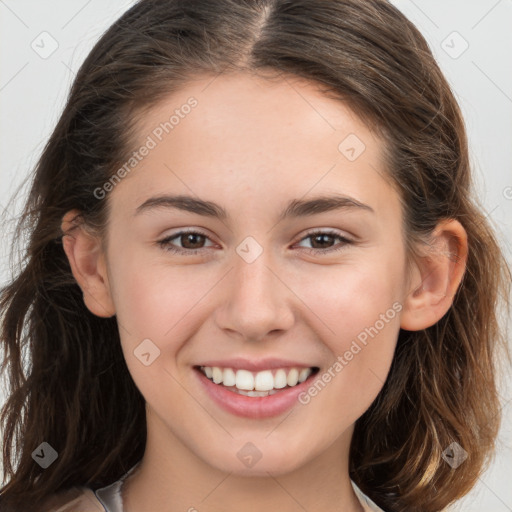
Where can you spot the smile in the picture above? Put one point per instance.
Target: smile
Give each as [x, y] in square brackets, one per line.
[257, 384]
[255, 388]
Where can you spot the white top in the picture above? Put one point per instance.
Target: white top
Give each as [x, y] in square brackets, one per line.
[110, 496]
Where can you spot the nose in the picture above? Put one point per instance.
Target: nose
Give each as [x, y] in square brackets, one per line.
[258, 300]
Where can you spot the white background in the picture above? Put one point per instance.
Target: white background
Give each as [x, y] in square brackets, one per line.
[33, 90]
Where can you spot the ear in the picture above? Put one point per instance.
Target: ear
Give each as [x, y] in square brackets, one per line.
[436, 277]
[88, 264]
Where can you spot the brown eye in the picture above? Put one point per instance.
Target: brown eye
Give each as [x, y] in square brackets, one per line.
[322, 242]
[191, 242]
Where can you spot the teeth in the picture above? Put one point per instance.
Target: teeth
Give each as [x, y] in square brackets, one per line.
[244, 380]
[262, 383]
[228, 377]
[217, 375]
[255, 393]
[280, 379]
[293, 377]
[304, 374]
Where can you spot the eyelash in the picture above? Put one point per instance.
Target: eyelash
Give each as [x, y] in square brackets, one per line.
[165, 243]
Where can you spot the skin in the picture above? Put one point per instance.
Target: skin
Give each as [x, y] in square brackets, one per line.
[252, 145]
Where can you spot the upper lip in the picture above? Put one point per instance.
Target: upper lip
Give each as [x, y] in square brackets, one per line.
[255, 365]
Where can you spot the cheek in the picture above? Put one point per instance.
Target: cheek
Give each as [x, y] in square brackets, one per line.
[162, 304]
[362, 354]
[361, 307]
[154, 303]
[348, 299]
[151, 298]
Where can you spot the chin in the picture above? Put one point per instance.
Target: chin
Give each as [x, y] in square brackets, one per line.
[248, 460]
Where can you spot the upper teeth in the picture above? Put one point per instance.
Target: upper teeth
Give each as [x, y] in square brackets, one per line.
[259, 381]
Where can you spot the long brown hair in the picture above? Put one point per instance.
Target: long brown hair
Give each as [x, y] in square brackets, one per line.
[77, 394]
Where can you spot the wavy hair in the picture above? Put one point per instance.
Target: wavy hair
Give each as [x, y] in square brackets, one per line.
[68, 381]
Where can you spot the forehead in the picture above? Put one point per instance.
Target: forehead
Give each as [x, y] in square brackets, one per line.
[243, 138]
[289, 106]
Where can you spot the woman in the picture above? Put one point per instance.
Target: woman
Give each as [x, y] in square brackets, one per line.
[189, 352]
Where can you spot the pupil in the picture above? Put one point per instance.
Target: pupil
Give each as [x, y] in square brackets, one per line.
[322, 239]
[190, 238]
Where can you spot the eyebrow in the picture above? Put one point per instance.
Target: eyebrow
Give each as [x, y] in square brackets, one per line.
[295, 208]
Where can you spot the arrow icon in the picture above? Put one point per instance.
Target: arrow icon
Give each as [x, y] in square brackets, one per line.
[454, 45]
[146, 352]
[44, 44]
[249, 455]
[454, 455]
[44, 455]
[351, 147]
[249, 253]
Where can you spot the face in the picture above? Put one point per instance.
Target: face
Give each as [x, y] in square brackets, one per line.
[278, 282]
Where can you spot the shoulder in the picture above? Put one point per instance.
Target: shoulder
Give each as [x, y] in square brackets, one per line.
[77, 499]
[367, 504]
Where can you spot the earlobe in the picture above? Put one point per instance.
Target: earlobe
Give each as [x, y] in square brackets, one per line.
[436, 277]
[88, 265]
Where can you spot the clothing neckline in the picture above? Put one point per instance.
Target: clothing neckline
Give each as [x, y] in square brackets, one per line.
[110, 496]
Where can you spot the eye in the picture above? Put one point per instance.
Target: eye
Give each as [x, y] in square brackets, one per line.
[323, 238]
[193, 242]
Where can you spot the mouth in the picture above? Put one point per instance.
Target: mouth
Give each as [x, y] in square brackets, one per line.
[260, 384]
[261, 394]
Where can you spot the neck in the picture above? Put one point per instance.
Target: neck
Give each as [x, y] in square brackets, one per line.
[171, 478]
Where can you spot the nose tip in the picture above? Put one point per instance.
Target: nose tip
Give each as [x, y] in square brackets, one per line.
[258, 304]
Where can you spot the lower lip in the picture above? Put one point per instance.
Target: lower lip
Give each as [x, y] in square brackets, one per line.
[253, 407]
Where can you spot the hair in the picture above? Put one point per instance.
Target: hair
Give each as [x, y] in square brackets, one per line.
[68, 382]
